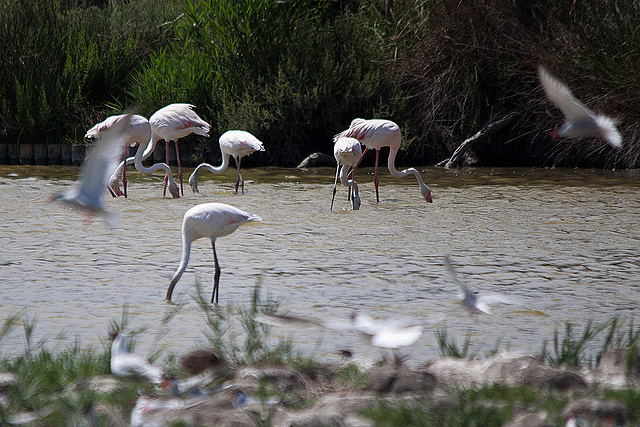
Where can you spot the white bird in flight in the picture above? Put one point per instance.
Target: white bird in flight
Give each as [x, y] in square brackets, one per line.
[101, 159]
[208, 220]
[347, 151]
[233, 143]
[378, 133]
[474, 303]
[138, 131]
[126, 364]
[173, 122]
[580, 120]
[388, 334]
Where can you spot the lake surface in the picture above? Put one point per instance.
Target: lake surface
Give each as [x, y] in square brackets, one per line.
[563, 243]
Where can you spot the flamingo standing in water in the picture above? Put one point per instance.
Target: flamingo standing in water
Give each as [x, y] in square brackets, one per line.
[347, 151]
[173, 122]
[94, 174]
[210, 220]
[378, 133]
[580, 120]
[233, 143]
[138, 131]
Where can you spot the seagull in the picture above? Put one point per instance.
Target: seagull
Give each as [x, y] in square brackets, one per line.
[388, 334]
[126, 364]
[101, 160]
[580, 120]
[476, 304]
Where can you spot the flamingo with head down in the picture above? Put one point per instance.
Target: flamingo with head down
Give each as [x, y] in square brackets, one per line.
[173, 122]
[233, 143]
[347, 151]
[208, 220]
[138, 131]
[378, 133]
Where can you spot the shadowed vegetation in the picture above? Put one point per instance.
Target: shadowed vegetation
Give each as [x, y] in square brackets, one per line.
[295, 73]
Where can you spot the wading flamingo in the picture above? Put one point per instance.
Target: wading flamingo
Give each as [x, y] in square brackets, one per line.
[347, 151]
[210, 220]
[173, 122]
[100, 161]
[474, 303]
[233, 143]
[580, 120]
[378, 133]
[126, 364]
[137, 132]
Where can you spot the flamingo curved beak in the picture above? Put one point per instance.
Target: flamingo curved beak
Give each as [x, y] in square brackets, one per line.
[428, 198]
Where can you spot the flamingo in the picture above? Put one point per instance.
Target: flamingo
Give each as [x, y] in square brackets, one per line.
[173, 122]
[137, 132]
[580, 120]
[94, 174]
[210, 220]
[474, 303]
[347, 151]
[126, 364]
[233, 143]
[378, 133]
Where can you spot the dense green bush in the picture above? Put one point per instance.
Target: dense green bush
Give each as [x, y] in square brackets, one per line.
[296, 72]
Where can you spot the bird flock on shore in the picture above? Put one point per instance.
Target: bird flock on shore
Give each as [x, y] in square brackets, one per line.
[105, 164]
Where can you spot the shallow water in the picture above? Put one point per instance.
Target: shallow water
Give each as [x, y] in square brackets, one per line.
[563, 243]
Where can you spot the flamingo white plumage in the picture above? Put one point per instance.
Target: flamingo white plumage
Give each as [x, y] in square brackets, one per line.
[94, 174]
[378, 133]
[474, 303]
[138, 131]
[233, 143]
[127, 364]
[208, 220]
[173, 122]
[580, 120]
[347, 151]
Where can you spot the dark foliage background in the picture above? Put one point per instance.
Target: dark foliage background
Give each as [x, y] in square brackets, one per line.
[296, 72]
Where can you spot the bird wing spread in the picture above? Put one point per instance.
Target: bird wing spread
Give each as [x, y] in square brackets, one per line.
[562, 97]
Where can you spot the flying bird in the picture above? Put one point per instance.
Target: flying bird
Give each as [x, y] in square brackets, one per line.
[347, 151]
[101, 159]
[375, 134]
[138, 131]
[173, 122]
[474, 303]
[389, 334]
[233, 143]
[580, 120]
[208, 220]
[126, 364]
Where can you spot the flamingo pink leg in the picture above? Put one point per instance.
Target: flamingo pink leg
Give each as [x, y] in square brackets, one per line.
[179, 167]
[239, 180]
[166, 176]
[124, 172]
[353, 171]
[216, 276]
[375, 176]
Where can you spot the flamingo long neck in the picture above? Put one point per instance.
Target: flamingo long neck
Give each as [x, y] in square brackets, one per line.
[186, 251]
[146, 170]
[143, 152]
[214, 169]
[401, 174]
[344, 172]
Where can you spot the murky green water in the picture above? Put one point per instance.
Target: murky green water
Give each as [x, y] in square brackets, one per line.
[565, 243]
